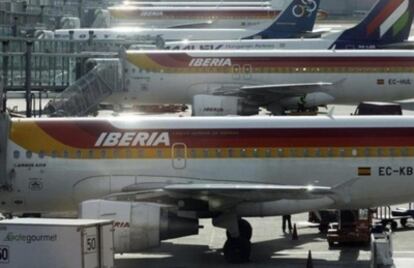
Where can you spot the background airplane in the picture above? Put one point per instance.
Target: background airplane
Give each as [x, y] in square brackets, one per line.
[215, 15]
[177, 170]
[241, 81]
[387, 25]
[286, 25]
[277, 3]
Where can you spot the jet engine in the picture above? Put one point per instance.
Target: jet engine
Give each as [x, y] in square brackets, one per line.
[207, 105]
[307, 101]
[139, 225]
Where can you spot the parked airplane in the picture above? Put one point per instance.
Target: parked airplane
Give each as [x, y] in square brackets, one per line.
[223, 15]
[296, 20]
[240, 81]
[387, 25]
[278, 3]
[177, 170]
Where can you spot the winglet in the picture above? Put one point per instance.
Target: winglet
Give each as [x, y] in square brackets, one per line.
[296, 19]
[389, 21]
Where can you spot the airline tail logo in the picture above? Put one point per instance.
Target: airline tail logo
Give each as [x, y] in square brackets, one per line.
[305, 8]
[210, 62]
[127, 139]
[395, 15]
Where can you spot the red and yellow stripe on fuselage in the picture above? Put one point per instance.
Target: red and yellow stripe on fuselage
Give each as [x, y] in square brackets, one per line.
[91, 139]
[159, 62]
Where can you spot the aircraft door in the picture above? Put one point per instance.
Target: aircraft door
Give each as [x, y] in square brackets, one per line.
[179, 155]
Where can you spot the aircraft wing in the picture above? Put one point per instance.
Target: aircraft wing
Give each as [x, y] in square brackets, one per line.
[274, 90]
[246, 192]
[285, 89]
[192, 25]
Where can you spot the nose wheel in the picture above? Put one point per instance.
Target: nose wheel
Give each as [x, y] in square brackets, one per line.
[237, 249]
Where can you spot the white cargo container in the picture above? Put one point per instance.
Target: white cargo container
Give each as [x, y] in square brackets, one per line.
[57, 243]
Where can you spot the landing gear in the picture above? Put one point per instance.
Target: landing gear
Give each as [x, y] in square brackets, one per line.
[403, 222]
[245, 229]
[237, 249]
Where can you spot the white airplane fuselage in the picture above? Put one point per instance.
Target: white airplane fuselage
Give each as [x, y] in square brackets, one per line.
[255, 44]
[71, 160]
[198, 4]
[252, 17]
[176, 76]
[136, 33]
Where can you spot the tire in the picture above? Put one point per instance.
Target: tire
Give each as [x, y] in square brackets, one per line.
[323, 228]
[245, 230]
[394, 225]
[237, 250]
[403, 222]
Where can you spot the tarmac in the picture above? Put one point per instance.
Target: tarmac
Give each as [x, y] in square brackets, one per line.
[270, 248]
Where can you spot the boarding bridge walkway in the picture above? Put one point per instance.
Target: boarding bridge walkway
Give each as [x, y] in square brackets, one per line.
[53, 65]
[83, 97]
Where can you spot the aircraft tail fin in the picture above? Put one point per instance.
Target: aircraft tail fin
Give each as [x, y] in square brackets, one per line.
[389, 21]
[297, 18]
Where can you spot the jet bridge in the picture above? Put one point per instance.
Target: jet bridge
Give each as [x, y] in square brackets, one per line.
[83, 97]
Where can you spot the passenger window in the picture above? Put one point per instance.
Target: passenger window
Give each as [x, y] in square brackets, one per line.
[141, 153]
[318, 152]
[243, 152]
[159, 153]
[354, 152]
[78, 154]
[90, 154]
[65, 154]
[404, 151]
[342, 152]
[330, 152]
[103, 154]
[54, 154]
[193, 153]
[128, 153]
[268, 152]
[380, 152]
[280, 152]
[255, 152]
[205, 153]
[230, 152]
[218, 152]
[16, 154]
[29, 154]
[41, 154]
[305, 152]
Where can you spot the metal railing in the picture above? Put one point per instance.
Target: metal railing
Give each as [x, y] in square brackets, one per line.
[85, 94]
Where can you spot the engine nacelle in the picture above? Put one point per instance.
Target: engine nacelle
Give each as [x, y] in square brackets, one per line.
[307, 101]
[138, 225]
[207, 105]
